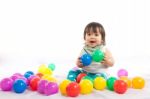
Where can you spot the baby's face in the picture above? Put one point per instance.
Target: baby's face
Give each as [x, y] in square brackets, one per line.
[93, 39]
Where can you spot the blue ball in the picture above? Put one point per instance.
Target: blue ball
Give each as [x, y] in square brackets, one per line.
[27, 75]
[19, 86]
[30, 72]
[72, 77]
[86, 59]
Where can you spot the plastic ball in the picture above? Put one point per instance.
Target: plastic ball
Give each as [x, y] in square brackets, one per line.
[31, 77]
[39, 75]
[127, 80]
[99, 83]
[122, 72]
[80, 76]
[110, 83]
[89, 78]
[6, 84]
[97, 56]
[27, 75]
[63, 86]
[120, 86]
[51, 66]
[49, 78]
[34, 83]
[51, 88]
[19, 86]
[30, 72]
[72, 77]
[18, 74]
[86, 86]
[25, 79]
[14, 77]
[47, 71]
[73, 89]
[86, 59]
[41, 86]
[138, 82]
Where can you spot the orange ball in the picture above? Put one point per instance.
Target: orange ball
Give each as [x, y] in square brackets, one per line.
[138, 82]
[127, 80]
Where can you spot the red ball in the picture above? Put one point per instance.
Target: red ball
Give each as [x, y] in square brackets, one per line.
[34, 83]
[120, 86]
[73, 89]
[80, 76]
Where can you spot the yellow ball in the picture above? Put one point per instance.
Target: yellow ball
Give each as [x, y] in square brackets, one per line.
[127, 80]
[48, 71]
[41, 68]
[49, 78]
[86, 86]
[138, 82]
[99, 83]
[63, 86]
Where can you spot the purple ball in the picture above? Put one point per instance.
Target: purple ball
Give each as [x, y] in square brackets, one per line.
[51, 88]
[18, 74]
[122, 72]
[14, 77]
[41, 86]
[6, 84]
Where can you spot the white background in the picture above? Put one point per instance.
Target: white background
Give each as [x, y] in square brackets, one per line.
[33, 32]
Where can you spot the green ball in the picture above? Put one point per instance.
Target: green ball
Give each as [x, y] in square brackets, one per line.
[89, 78]
[51, 66]
[98, 56]
[110, 83]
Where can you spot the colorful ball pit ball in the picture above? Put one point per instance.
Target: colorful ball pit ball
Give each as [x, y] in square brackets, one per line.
[138, 83]
[19, 86]
[34, 83]
[80, 76]
[99, 83]
[97, 55]
[63, 86]
[41, 86]
[51, 88]
[120, 86]
[86, 86]
[6, 84]
[122, 72]
[86, 59]
[52, 67]
[127, 80]
[73, 89]
[110, 83]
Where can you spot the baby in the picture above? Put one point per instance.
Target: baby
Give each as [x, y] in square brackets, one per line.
[94, 37]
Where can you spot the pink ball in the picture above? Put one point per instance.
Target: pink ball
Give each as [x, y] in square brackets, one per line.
[6, 84]
[41, 86]
[122, 72]
[18, 74]
[51, 88]
[14, 77]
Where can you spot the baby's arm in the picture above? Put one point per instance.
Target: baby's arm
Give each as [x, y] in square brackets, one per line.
[78, 62]
[108, 58]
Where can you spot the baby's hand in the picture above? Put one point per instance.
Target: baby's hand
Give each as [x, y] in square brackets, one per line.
[107, 61]
[79, 63]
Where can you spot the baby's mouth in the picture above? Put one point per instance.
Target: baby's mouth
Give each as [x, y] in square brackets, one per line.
[92, 42]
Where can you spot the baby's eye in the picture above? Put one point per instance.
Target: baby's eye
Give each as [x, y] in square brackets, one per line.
[96, 34]
[88, 34]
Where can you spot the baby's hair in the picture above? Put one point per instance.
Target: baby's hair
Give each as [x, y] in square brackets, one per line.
[92, 27]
